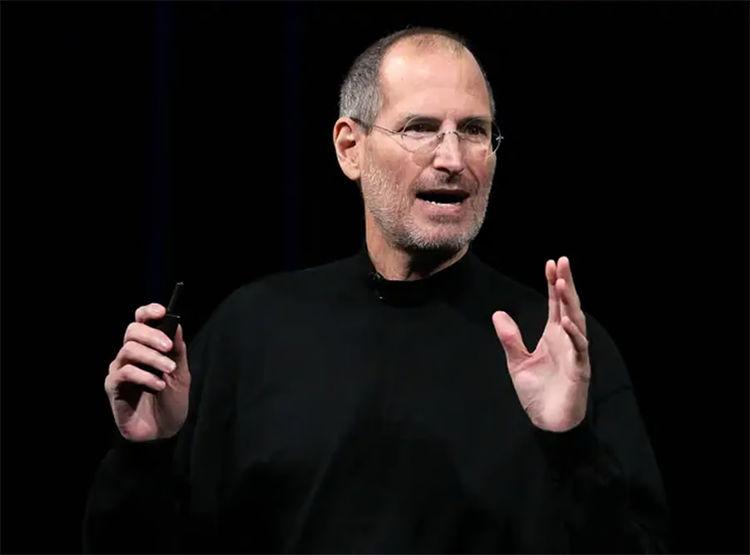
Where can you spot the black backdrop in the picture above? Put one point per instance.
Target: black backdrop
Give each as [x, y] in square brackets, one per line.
[193, 141]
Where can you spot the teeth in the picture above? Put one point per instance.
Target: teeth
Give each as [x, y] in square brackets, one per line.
[441, 203]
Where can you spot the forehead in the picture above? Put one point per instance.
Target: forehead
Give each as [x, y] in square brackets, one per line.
[435, 82]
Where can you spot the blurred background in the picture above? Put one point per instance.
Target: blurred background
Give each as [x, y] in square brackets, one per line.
[157, 142]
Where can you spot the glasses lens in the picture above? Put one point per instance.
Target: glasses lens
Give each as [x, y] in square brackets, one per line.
[419, 136]
[480, 137]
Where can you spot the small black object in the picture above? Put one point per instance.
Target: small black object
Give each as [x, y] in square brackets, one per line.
[168, 323]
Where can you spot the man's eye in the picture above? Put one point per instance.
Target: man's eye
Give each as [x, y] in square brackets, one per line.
[419, 128]
[475, 129]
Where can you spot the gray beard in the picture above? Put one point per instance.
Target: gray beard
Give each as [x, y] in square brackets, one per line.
[391, 212]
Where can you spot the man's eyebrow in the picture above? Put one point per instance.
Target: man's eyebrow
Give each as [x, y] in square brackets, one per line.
[431, 119]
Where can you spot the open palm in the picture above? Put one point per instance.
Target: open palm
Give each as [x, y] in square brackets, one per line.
[552, 382]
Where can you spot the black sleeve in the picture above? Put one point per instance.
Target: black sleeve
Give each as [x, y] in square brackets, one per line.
[609, 487]
[133, 502]
[140, 496]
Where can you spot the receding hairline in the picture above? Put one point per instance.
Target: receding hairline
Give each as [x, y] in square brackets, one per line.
[431, 41]
[361, 94]
[428, 42]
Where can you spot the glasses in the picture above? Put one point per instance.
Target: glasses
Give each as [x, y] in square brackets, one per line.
[480, 137]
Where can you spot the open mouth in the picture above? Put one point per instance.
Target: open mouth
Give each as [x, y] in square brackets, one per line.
[443, 197]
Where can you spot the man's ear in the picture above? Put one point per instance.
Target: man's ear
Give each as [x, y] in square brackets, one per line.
[347, 140]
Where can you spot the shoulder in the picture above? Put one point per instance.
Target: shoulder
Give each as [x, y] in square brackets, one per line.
[498, 291]
[239, 321]
[285, 291]
[503, 286]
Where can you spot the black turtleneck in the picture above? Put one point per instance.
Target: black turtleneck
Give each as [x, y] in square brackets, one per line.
[335, 411]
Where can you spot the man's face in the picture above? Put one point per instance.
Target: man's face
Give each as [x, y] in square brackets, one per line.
[444, 88]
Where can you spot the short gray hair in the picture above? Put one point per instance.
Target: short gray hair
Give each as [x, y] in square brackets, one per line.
[361, 95]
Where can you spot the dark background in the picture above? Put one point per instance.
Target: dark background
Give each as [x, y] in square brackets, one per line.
[149, 143]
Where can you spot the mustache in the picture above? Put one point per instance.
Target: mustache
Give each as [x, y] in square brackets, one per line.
[455, 182]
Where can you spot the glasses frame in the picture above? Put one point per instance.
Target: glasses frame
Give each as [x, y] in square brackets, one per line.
[440, 136]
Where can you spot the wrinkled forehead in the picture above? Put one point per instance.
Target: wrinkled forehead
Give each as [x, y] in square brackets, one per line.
[436, 82]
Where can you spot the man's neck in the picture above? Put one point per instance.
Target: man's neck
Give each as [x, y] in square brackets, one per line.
[397, 264]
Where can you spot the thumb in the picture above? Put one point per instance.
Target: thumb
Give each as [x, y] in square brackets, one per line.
[510, 337]
[179, 348]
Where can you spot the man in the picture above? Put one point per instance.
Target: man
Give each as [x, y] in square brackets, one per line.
[387, 402]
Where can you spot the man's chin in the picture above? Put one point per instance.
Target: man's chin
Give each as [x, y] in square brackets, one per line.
[440, 240]
[444, 232]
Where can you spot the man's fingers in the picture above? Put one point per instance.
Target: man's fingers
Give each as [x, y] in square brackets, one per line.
[132, 375]
[571, 307]
[152, 311]
[137, 354]
[179, 351]
[579, 340]
[510, 338]
[550, 272]
[146, 335]
[564, 272]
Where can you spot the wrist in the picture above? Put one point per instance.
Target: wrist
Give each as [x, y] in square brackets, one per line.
[569, 450]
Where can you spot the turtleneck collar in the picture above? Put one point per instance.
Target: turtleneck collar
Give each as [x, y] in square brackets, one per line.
[447, 284]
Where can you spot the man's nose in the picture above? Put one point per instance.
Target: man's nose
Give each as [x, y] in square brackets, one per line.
[449, 155]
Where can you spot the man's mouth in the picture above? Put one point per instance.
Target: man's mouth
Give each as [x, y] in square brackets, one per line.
[443, 198]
